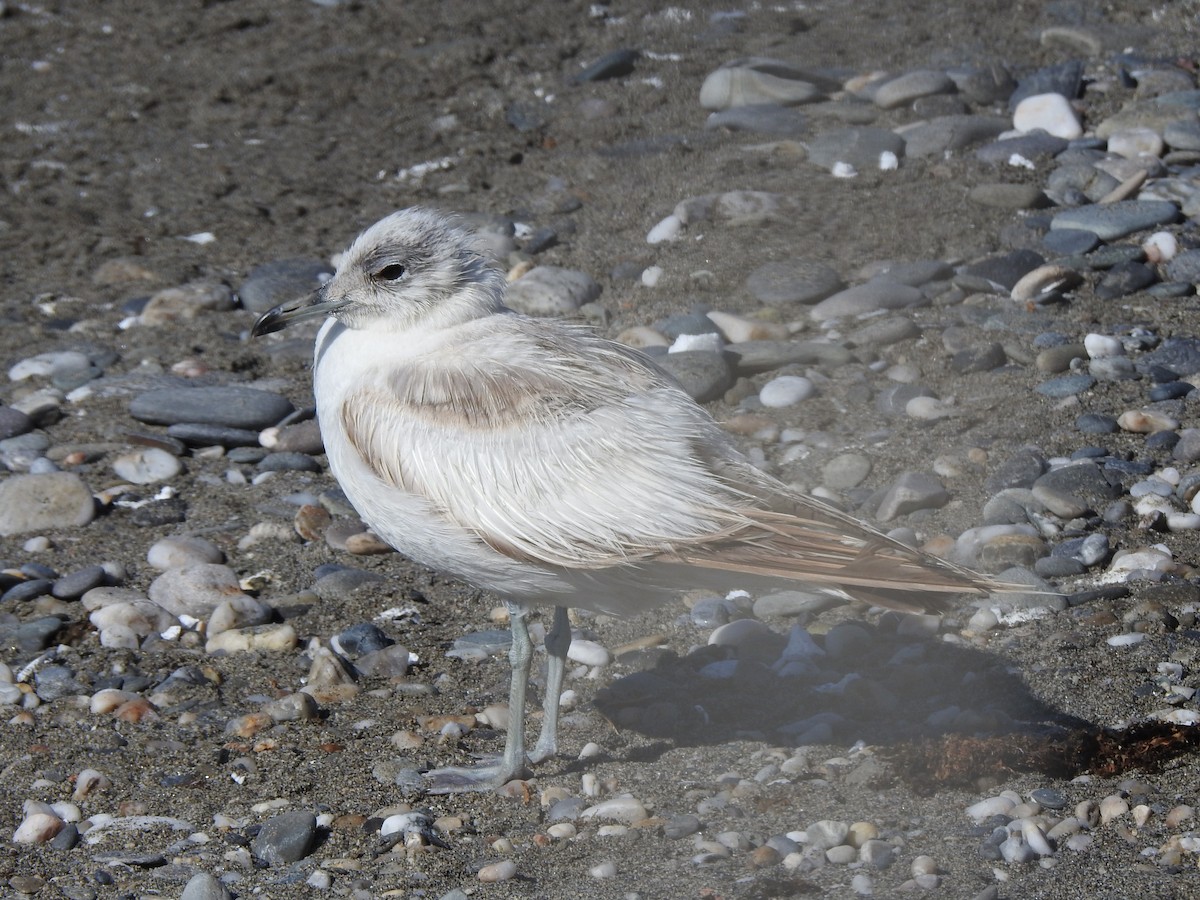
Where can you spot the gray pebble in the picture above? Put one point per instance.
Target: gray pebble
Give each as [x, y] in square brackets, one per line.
[985, 85]
[1058, 567]
[860, 147]
[1180, 355]
[885, 332]
[27, 590]
[906, 88]
[784, 604]
[44, 502]
[764, 118]
[1008, 196]
[203, 886]
[1183, 134]
[75, 584]
[616, 64]
[792, 281]
[845, 471]
[753, 357]
[53, 682]
[342, 581]
[285, 838]
[681, 826]
[1063, 78]
[1066, 386]
[551, 290]
[280, 281]
[1070, 241]
[1097, 424]
[935, 137]
[979, 359]
[1020, 470]
[705, 375]
[288, 462]
[13, 422]
[233, 406]
[1074, 490]
[911, 492]
[1005, 269]
[870, 297]
[1184, 267]
[198, 435]
[1115, 220]
[1034, 146]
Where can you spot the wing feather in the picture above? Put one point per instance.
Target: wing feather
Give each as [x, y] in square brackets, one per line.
[574, 453]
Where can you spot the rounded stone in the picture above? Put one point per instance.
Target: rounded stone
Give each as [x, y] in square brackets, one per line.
[232, 406]
[792, 281]
[551, 290]
[44, 502]
[281, 281]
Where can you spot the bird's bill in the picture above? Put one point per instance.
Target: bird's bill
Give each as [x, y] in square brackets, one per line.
[313, 306]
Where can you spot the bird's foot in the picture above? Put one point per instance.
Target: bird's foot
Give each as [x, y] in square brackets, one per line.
[542, 752]
[464, 779]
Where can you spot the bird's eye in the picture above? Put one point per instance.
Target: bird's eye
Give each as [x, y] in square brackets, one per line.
[393, 272]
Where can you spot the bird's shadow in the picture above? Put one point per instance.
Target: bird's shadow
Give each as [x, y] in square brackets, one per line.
[943, 713]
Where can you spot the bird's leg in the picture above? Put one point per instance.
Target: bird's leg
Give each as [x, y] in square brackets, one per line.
[558, 641]
[512, 763]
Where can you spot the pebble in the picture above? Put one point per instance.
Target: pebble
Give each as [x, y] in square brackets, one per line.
[187, 301]
[505, 870]
[551, 290]
[756, 81]
[1051, 113]
[904, 89]
[203, 886]
[231, 406]
[180, 550]
[280, 281]
[147, 465]
[286, 838]
[1115, 220]
[45, 502]
[949, 134]
[786, 390]
[861, 147]
[795, 281]
[870, 297]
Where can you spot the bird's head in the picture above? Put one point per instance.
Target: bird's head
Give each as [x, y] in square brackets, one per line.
[416, 266]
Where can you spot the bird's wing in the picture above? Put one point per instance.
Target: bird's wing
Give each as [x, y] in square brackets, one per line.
[565, 451]
[588, 457]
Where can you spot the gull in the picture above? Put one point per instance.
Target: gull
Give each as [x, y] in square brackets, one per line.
[539, 461]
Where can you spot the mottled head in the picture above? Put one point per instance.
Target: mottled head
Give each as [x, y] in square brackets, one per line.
[416, 266]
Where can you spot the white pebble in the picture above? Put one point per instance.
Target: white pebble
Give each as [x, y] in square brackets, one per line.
[1052, 113]
[1160, 247]
[666, 230]
[561, 831]
[844, 170]
[37, 828]
[928, 408]
[888, 161]
[651, 275]
[786, 390]
[1036, 838]
[498, 871]
[1102, 346]
[1126, 640]
[993, 806]
[1113, 807]
[625, 809]
[588, 653]
[146, 465]
[606, 869]
[710, 342]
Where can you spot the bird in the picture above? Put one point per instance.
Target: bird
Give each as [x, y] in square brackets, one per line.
[539, 461]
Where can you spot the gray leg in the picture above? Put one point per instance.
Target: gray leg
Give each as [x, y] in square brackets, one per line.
[558, 641]
[512, 763]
